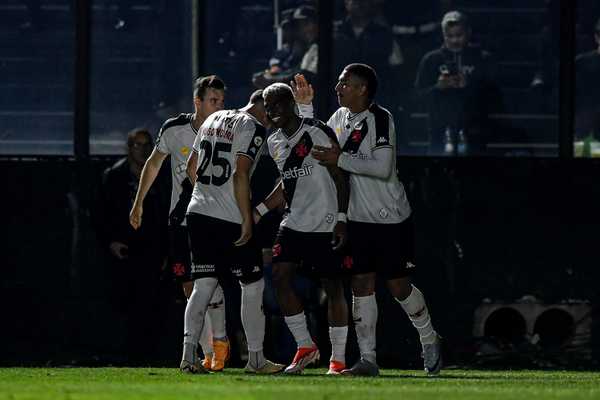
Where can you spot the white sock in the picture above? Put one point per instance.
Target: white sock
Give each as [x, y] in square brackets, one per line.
[206, 336]
[194, 315]
[216, 312]
[415, 307]
[253, 318]
[364, 314]
[337, 336]
[297, 325]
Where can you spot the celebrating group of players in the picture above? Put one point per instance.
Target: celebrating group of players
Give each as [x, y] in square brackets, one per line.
[346, 212]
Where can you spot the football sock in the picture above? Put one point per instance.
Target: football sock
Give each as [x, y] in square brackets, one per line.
[337, 336]
[194, 315]
[415, 307]
[205, 341]
[297, 325]
[216, 312]
[253, 318]
[364, 314]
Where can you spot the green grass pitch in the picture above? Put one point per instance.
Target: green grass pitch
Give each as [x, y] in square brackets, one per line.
[161, 383]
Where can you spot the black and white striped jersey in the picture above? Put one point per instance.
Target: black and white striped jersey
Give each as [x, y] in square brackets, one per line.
[223, 137]
[176, 138]
[373, 199]
[310, 193]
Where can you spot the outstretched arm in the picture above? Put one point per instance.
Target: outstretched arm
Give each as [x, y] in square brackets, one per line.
[149, 174]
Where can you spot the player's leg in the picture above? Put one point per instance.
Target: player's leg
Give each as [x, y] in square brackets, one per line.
[216, 329]
[362, 266]
[286, 255]
[250, 274]
[214, 323]
[399, 265]
[203, 271]
[337, 316]
[413, 302]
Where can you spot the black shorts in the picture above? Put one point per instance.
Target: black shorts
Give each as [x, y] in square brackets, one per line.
[311, 250]
[180, 259]
[387, 249]
[214, 254]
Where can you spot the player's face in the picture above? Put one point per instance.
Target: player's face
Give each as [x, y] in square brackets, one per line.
[277, 110]
[349, 90]
[214, 100]
[456, 37]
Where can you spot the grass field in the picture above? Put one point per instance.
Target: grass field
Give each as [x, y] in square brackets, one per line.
[157, 383]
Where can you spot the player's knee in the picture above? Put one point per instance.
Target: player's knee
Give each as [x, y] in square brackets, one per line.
[334, 289]
[282, 276]
[363, 285]
[400, 288]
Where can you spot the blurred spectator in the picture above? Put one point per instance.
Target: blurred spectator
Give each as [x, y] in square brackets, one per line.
[456, 81]
[300, 52]
[364, 36]
[137, 257]
[587, 100]
[284, 62]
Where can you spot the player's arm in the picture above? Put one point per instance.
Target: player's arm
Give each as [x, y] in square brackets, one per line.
[191, 167]
[241, 190]
[149, 174]
[340, 178]
[303, 94]
[275, 199]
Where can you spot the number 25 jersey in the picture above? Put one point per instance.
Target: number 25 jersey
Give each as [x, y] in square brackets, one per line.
[223, 137]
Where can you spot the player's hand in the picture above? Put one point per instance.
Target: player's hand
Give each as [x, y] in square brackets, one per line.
[135, 216]
[245, 235]
[119, 250]
[327, 155]
[340, 236]
[303, 91]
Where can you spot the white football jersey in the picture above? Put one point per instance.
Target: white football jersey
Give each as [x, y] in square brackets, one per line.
[372, 199]
[176, 138]
[223, 137]
[310, 193]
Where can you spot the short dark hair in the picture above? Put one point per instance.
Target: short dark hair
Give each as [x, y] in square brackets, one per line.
[281, 90]
[366, 73]
[204, 83]
[256, 96]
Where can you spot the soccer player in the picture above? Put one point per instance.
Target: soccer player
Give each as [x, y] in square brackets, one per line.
[313, 228]
[176, 138]
[378, 209]
[219, 218]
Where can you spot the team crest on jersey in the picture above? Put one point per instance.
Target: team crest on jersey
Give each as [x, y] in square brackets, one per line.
[383, 213]
[178, 269]
[329, 218]
[276, 250]
[258, 141]
[185, 150]
[302, 149]
[355, 136]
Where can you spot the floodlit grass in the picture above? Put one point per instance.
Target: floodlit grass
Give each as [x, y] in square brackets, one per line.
[158, 383]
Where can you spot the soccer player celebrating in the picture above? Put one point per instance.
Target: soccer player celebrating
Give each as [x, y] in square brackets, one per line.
[313, 228]
[176, 138]
[378, 209]
[219, 218]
